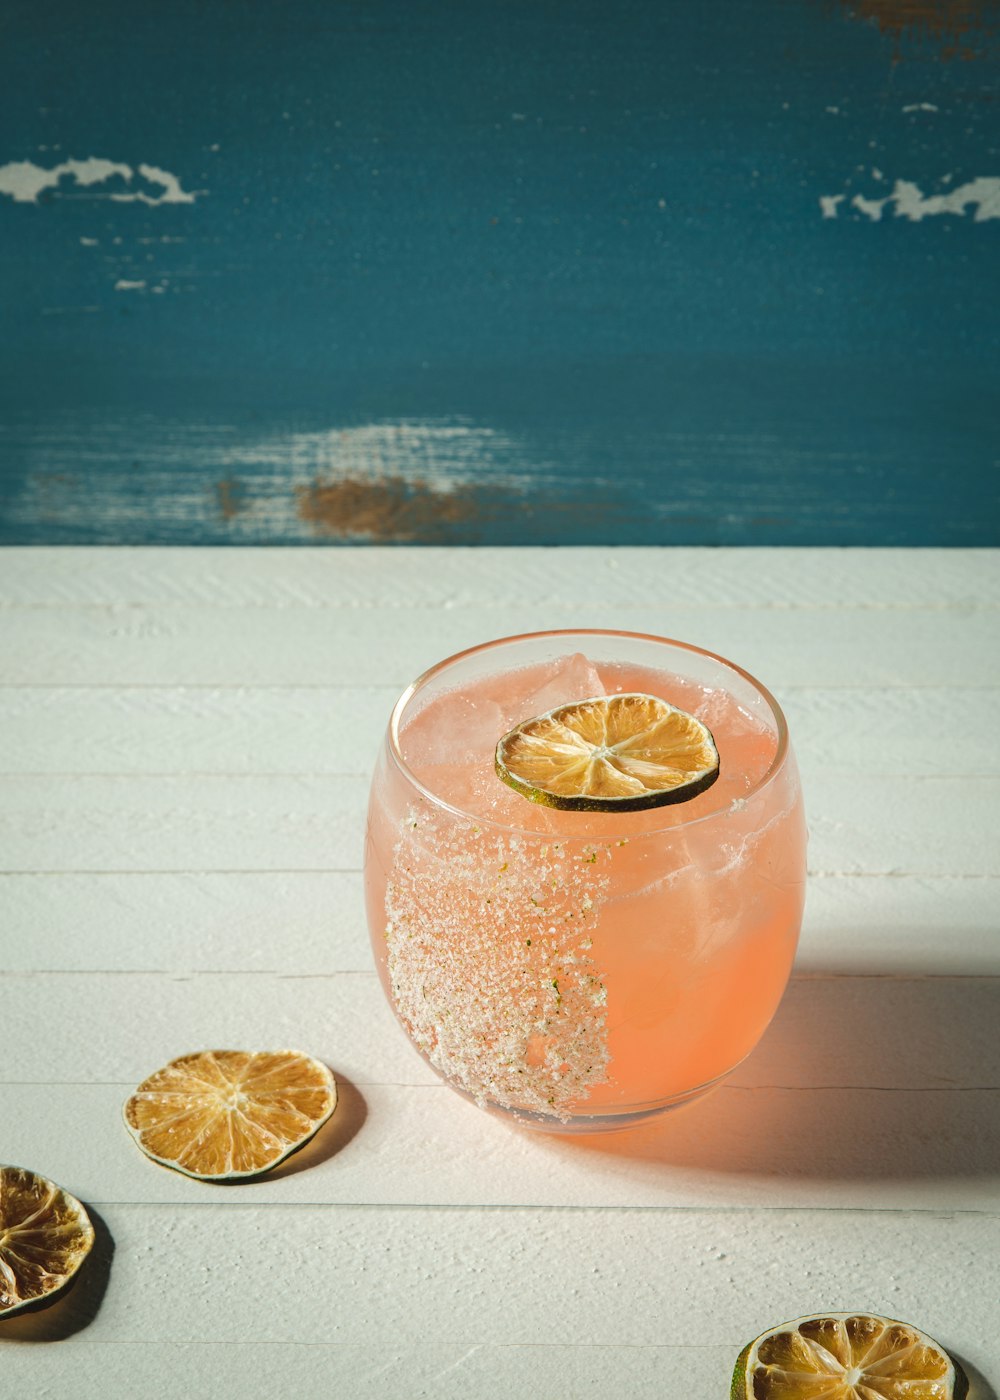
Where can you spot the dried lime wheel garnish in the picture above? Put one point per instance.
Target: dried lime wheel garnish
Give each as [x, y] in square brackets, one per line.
[846, 1356]
[222, 1115]
[45, 1236]
[611, 753]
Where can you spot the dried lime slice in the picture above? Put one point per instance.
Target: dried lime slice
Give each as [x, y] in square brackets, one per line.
[222, 1115]
[846, 1356]
[45, 1235]
[612, 753]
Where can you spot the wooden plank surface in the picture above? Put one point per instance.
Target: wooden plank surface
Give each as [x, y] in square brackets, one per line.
[312, 922]
[656, 273]
[325, 730]
[377, 577]
[931, 826]
[282, 646]
[179, 834]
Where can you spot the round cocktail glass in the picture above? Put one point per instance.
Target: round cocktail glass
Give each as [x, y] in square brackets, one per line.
[581, 971]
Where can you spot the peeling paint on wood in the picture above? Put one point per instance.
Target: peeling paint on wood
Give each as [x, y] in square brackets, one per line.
[26, 182]
[978, 198]
[649, 274]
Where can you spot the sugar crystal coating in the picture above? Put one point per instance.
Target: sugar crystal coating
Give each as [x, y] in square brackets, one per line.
[490, 957]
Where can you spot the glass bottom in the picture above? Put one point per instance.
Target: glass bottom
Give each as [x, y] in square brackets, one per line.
[583, 1123]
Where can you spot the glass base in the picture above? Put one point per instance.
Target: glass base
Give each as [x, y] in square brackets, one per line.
[613, 1121]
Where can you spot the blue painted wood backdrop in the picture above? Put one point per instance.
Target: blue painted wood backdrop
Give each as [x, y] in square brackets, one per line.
[634, 272]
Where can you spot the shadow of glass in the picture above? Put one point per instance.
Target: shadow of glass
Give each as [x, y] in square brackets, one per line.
[856, 1079]
[78, 1306]
[347, 1121]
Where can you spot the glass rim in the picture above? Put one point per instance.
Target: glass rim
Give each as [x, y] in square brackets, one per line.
[396, 752]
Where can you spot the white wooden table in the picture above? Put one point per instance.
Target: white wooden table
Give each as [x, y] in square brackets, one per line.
[186, 740]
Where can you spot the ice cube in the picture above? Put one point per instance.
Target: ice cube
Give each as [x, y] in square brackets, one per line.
[715, 709]
[567, 679]
[454, 730]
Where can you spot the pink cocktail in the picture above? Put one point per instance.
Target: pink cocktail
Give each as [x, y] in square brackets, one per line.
[580, 971]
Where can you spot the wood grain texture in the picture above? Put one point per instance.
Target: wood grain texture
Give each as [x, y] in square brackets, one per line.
[336, 731]
[313, 922]
[377, 577]
[399, 1279]
[264, 646]
[747, 1148]
[924, 826]
[830, 1032]
[657, 274]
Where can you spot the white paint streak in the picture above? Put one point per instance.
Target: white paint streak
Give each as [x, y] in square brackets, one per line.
[171, 186]
[24, 181]
[872, 207]
[908, 201]
[444, 455]
[983, 194]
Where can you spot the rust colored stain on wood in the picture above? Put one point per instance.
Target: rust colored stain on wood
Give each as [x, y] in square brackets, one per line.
[390, 509]
[230, 497]
[951, 24]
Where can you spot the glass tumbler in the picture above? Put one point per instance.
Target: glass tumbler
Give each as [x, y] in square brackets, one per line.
[581, 971]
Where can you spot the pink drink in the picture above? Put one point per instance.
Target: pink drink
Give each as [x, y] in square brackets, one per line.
[582, 970]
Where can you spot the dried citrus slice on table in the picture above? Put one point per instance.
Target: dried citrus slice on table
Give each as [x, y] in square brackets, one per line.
[846, 1356]
[221, 1115]
[612, 753]
[45, 1235]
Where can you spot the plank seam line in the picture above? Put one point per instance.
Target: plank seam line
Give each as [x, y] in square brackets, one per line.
[265, 874]
[187, 1343]
[568, 1207]
[396, 689]
[129, 1085]
[187, 974]
[357, 870]
[121, 609]
[234, 774]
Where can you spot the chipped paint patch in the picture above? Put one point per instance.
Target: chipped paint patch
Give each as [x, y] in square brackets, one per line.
[872, 207]
[907, 201]
[24, 181]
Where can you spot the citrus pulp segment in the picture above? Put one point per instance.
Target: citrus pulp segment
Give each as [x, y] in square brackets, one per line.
[45, 1235]
[610, 753]
[222, 1115]
[846, 1356]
